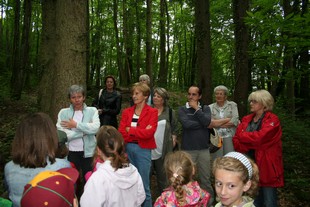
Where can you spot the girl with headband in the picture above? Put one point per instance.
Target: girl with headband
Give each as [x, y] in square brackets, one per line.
[183, 191]
[236, 180]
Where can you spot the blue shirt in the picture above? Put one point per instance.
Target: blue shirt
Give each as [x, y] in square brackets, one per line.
[16, 177]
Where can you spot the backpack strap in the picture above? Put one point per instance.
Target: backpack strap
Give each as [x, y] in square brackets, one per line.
[170, 115]
[100, 93]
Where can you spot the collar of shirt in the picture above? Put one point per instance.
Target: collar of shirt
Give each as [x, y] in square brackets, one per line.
[187, 105]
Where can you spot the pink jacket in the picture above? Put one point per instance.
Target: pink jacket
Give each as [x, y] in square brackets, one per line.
[195, 197]
[267, 144]
[145, 137]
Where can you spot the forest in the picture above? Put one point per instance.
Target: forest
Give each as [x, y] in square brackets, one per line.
[48, 45]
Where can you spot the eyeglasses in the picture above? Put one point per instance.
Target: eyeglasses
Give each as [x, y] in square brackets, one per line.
[253, 101]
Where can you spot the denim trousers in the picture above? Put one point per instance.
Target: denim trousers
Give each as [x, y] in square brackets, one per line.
[267, 197]
[141, 159]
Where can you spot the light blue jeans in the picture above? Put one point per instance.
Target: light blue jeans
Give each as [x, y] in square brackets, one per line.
[141, 159]
[267, 197]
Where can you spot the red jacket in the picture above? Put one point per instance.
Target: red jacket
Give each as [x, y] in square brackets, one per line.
[145, 137]
[267, 145]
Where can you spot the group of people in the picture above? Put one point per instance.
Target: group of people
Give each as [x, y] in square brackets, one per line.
[111, 165]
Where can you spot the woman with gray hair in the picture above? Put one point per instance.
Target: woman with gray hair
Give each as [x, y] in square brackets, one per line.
[144, 78]
[81, 124]
[222, 108]
[165, 136]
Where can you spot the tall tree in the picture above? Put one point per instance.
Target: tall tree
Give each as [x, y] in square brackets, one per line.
[288, 62]
[149, 39]
[25, 41]
[138, 38]
[118, 44]
[128, 44]
[17, 73]
[64, 36]
[242, 71]
[163, 72]
[203, 38]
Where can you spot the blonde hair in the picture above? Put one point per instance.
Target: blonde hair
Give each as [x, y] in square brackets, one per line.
[263, 97]
[235, 165]
[144, 88]
[179, 170]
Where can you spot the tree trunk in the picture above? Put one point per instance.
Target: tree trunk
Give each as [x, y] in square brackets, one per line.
[288, 64]
[118, 45]
[163, 73]
[149, 40]
[138, 39]
[242, 71]
[203, 39]
[65, 36]
[25, 65]
[127, 34]
[17, 73]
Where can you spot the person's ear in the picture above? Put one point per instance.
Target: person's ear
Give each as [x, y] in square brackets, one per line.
[75, 203]
[194, 170]
[99, 153]
[247, 186]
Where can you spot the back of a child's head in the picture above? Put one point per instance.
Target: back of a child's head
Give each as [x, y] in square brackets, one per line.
[179, 169]
[111, 144]
[236, 162]
[35, 140]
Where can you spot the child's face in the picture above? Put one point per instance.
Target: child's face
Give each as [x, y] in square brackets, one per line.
[229, 187]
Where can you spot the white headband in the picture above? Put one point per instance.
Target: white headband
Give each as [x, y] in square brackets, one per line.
[243, 159]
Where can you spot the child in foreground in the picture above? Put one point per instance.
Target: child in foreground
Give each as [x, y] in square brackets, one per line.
[236, 180]
[183, 191]
[116, 182]
[51, 189]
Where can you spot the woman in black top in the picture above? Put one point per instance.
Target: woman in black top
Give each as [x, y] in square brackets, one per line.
[108, 103]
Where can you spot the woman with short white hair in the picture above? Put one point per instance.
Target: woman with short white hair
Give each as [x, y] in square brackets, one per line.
[222, 108]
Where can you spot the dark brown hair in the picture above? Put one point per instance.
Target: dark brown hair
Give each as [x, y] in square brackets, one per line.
[35, 141]
[112, 77]
[111, 144]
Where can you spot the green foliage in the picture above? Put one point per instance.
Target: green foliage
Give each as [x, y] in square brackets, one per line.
[296, 143]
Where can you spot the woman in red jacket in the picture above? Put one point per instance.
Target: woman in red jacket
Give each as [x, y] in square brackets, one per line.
[138, 125]
[259, 136]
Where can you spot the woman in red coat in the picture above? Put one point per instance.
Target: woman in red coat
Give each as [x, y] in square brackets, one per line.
[259, 136]
[138, 125]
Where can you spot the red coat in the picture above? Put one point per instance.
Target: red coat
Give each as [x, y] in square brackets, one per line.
[267, 145]
[145, 137]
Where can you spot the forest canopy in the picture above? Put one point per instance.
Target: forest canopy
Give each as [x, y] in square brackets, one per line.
[245, 45]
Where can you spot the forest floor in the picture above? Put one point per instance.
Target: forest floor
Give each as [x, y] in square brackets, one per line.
[296, 143]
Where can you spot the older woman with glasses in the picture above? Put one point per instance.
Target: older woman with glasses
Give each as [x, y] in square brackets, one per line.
[221, 109]
[259, 135]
